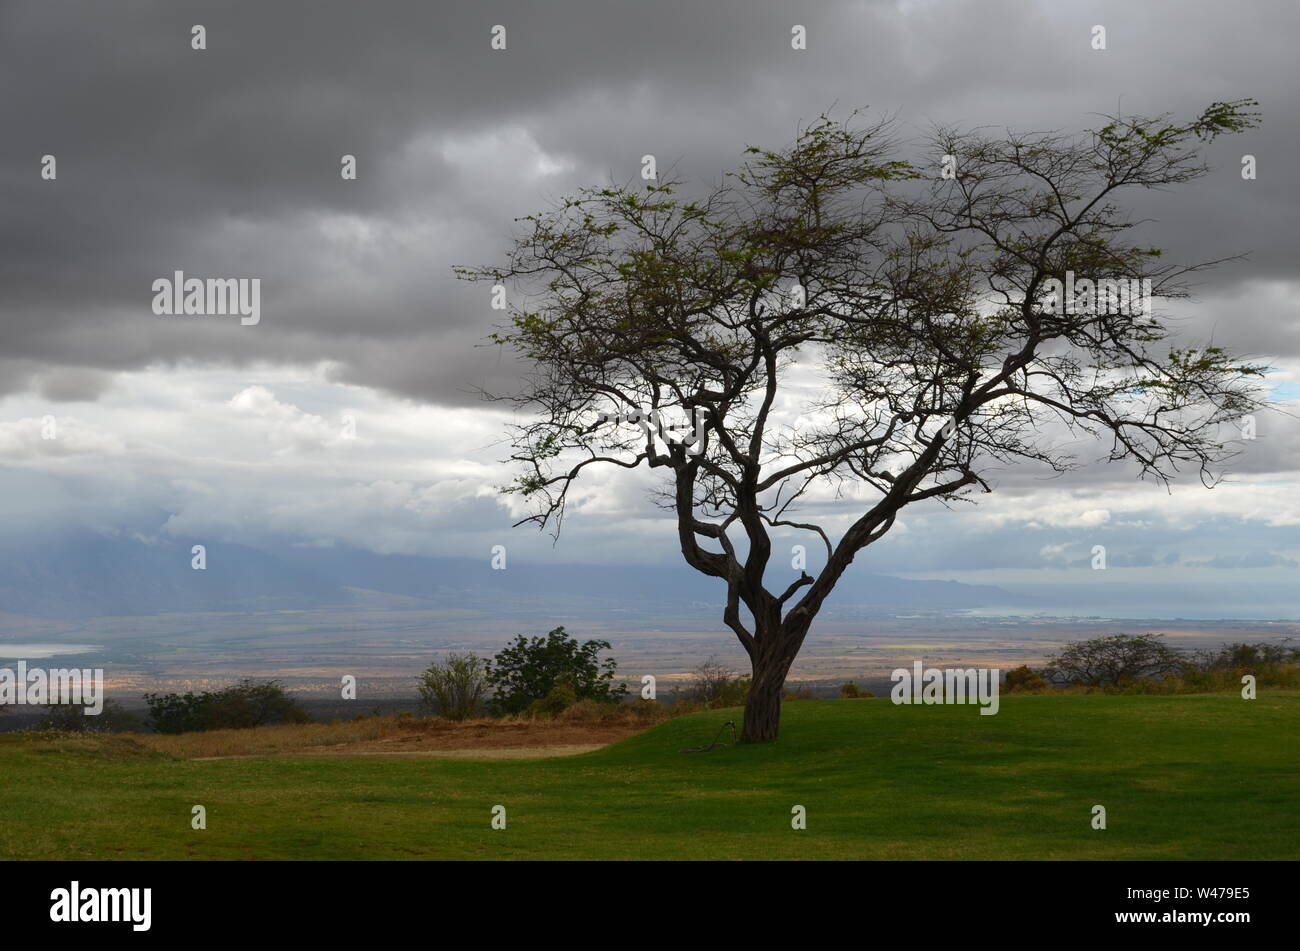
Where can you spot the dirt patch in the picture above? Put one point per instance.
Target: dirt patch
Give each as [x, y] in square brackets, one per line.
[490, 753]
[502, 736]
[397, 736]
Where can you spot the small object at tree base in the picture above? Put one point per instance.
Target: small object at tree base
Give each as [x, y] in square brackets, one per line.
[715, 745]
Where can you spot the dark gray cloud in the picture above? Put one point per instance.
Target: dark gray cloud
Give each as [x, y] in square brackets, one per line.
[72, 384]
[225, 162]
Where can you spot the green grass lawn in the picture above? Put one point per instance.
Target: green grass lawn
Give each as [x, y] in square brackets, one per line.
[1181, 777]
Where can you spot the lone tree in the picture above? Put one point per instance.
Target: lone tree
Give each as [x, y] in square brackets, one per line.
[1112, 661]
[947, 319]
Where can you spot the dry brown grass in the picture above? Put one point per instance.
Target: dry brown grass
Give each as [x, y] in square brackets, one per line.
[400, 735]
[114, 746]
[483, 753]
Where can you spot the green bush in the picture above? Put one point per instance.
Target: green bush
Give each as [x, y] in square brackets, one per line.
[1023, 680]
[1272, 665]
[176, 713]
[250, 703]
[715, 685]
[244, 705]
[1249, 658]
[529, 669]
[454, 688]
[73, 718]
[560, 698]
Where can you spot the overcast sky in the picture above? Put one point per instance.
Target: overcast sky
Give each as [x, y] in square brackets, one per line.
[226, 162]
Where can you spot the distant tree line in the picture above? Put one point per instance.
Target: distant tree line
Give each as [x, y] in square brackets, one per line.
[1144, 662]
[558, 675]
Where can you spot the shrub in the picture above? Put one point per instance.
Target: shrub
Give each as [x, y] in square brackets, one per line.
[735, 692]
[1229, 678]
[1023, 680]
[1110, 661]
[1146, 685]
[1249, 656]
[176, 713]
[454, 688]
[636, 712]
[249, 703]
[244, 705]
[850, 691]
[714, 686]
[712, 680]
[529, 669]
[1272, 664]
[558, 699]
[73, 718]
[593, 711]
[1221, 669]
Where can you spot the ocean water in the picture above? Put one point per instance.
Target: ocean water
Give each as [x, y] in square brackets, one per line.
[10, 651]
[1286, 611]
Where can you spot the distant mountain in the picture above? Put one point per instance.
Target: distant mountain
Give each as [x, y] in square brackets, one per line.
[86, 575]
[435, 578]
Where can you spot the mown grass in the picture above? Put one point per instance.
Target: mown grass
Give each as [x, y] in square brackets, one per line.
[1181, 777]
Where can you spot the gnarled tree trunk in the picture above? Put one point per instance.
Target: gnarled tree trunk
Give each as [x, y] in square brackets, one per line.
[776, 650]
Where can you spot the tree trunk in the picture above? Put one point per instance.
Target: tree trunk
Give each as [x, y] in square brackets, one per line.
[763, 706]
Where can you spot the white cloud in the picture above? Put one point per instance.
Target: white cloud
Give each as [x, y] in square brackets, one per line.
[247, 455]
[51, 438]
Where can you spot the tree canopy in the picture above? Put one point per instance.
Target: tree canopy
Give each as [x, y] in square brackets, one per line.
[956, 313]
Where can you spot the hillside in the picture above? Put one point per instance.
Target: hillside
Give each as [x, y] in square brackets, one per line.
[1181, 777]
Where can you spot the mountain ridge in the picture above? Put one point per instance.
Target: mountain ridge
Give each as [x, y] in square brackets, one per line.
[79, 575]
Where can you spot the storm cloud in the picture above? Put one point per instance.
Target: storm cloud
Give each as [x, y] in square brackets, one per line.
[225, 162]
